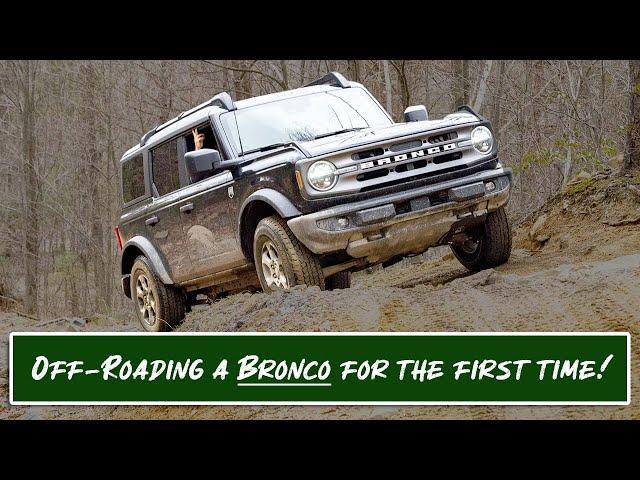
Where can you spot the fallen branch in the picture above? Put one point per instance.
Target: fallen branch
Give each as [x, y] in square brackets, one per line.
[71, 320]
[27, 316]
[49, 322]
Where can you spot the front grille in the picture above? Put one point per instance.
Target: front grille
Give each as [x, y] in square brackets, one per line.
[383, 172]
[375, 152]
[400, 181]
[443, 137]
[449, 157]
[406, 167]
[399, 147]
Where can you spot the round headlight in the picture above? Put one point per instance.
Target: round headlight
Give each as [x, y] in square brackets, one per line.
[322, 175]
[481, 139]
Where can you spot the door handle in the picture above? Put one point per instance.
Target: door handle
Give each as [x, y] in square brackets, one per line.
[151, 220]
[186, 208]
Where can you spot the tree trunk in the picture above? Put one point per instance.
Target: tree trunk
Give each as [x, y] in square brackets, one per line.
[112, 188]
[404, 83]
[355, 70]
[31, 187]
[96, 249]
[427, 96]
[228, 85]
[241, 79]
[387, 84]
[247, 84]
[303, 65]
[284, 71]
[498, 100]
[482, 86]
[166, 92]
[567, 164]
[632, 154]
[461, 85]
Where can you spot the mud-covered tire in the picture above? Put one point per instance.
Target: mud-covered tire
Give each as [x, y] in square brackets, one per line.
[169, 301]
[338, 281]
[493, 238]
[301, 266]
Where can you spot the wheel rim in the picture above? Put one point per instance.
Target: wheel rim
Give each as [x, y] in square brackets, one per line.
[146, 300]
[272, 267]
[469, 246]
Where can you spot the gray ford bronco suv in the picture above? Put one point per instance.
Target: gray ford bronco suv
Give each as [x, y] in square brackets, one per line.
[301, 187]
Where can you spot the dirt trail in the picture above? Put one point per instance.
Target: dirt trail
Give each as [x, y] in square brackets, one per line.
[584, 277]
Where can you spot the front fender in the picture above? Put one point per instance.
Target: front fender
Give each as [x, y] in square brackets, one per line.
[130, 251]
[278, 201]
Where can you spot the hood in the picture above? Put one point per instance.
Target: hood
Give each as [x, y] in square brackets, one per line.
[372, 135]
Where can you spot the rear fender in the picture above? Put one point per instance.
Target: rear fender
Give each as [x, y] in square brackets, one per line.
[140, 244]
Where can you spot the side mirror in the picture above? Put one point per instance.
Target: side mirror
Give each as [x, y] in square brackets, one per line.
[202, 163]
[416, 113]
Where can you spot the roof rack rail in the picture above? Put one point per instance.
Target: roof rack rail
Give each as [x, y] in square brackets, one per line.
[223, 100]
[333, 79]
[148, 135]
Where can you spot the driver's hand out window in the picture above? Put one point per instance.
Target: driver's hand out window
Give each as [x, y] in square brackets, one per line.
[198, 138]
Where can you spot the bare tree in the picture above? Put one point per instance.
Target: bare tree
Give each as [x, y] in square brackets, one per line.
[461, 82]
[482, 86]
[388, 89]
[26, 75]
[632, 154]
[400, 68]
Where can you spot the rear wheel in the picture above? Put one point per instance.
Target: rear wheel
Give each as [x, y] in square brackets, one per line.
[159, 307]
[281, 261]
[338, 281]
[488, 245]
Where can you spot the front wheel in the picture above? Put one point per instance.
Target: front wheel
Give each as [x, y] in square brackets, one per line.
[281, 261]
[488, 245]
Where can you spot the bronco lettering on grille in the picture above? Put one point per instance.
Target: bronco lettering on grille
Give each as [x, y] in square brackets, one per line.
[407, 156]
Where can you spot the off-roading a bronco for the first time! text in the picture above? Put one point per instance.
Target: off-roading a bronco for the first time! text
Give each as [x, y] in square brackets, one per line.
[301, 187]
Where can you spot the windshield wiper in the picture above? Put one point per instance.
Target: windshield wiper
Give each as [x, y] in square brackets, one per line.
[270, 147]
[337, 132]
[288, 144]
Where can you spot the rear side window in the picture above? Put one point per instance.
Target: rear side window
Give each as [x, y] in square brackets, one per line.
[133, 179]
[164, 161]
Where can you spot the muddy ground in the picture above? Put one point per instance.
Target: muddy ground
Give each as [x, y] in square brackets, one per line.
[575, 267]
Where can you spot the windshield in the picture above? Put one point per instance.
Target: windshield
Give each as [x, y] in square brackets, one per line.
[302, 118]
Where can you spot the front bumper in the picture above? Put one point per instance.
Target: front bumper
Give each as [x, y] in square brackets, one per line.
[405, 222]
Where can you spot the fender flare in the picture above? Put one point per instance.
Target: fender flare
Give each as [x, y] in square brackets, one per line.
[278, 201]
[152, 255]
